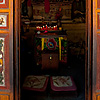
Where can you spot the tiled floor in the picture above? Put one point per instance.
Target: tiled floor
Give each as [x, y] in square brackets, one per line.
[75, 68]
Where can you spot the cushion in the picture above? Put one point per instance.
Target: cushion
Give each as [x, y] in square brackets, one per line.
[62, 83]
[36, 83]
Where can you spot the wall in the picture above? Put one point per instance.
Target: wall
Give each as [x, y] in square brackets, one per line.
[39, 11]
[76, 37]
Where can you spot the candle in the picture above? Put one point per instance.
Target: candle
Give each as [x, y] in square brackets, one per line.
[46, 26]
[50, 27]
[54, 27]
[43, 27]
[37, 27]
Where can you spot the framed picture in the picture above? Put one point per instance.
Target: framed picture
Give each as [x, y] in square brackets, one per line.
[4, 3]
[98, 21]
[4, 21]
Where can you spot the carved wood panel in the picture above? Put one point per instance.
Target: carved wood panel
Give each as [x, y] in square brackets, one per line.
[4, 20]
[98, 21]
[96, 50]
[4, 97]
[98, 63]
[6, 50]
[4, 62]
[98, 3]
[4, 3]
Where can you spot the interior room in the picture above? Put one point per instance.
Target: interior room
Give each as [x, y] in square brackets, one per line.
[52, 49]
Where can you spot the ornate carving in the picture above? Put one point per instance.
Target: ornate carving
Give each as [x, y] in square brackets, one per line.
[98, 3]
[2, 1]
[98, 63]
[2, 69]
[4, 20]
[98, 20]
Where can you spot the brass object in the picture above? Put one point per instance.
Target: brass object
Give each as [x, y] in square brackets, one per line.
[60, 28]
[50, 57]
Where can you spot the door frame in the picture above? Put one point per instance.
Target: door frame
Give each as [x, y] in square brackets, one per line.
[17, 7]
[88, 49]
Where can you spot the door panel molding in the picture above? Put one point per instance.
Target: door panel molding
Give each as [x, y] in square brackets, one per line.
[98, 64]
[88, 68]
[88, 52]
[4, 68]
[6, 50]
[96, 50]
[17, 24]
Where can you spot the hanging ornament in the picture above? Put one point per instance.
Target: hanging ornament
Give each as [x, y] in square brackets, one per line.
[30, 9]
[47, 6]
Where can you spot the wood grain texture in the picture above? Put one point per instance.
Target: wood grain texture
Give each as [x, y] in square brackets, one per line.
[17, 26]
[98, 97]
[96, 51]
[50, 61]
[98, 3]
[6, 62]
[98, 20]
[7, 33]
[4, 97]
[98, 63]
[4, 4]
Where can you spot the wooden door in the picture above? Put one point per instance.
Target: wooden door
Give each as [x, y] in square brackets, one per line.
[6, 50]
[96, 50]
[16, 56]
[88, 51]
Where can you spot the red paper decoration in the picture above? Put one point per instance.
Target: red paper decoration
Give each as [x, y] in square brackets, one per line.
[47, 6]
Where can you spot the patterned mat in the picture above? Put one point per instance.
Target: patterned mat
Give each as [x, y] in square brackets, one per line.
[62, 83]
[36, 83]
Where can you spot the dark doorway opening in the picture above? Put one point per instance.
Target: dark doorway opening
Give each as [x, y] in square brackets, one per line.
[74, 67]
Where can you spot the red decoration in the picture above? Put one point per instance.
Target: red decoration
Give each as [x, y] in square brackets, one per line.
[51, 44]
[47, 6]
[1, 1]
[29, 3]
[58, 15]
[4, 3]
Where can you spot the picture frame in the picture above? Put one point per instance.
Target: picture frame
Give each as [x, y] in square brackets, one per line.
[4, 3]
[4, 21]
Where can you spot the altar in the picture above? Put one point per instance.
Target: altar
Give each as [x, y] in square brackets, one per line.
[51, 41]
